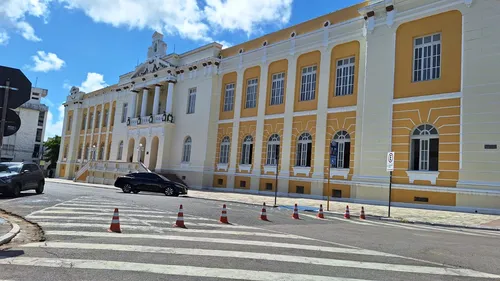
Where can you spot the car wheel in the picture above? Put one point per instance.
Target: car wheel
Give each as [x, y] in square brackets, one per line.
[127, 188]
[136, 191]
[169, 191]
[39, 189]
[16, 192]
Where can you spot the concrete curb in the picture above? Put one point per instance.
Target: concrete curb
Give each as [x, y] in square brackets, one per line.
[11, 234]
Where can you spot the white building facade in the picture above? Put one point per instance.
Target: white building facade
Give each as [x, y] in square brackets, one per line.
[27, 143]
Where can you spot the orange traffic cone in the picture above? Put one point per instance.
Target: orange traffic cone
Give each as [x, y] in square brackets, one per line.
[223, 216]
[347, 215]
[115, 223]
[180, 218]
[362, 215]
[263, 215]
[320, 212]
[295, 212]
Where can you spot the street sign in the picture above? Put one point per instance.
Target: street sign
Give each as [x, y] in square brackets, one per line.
[20, 91]
[390, 161]
[12, 123]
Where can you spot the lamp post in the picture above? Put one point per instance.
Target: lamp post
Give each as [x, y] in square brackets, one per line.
[140, 149]
[93, 152]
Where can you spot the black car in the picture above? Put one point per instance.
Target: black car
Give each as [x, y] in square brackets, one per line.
[19, 176]
[136, 182]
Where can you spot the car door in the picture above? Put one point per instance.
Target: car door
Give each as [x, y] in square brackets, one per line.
[26, 177]
[36, 175]
[156, 183]
[143, 182]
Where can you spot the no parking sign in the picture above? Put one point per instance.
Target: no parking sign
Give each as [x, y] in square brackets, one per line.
[390, 161]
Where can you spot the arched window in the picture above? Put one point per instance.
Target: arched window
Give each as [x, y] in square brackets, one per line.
[424, 148]
[340, 150]
[186, 152]
[246, 151]
[304, 149]
[224, 150]
[273, 150]
[101, 151]
[120, 151]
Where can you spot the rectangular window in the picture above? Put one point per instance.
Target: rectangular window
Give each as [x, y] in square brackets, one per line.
[269, 186]
[191, 101]
[277, 88]
[308, 83]
[229, 97]
[105, 120]
[251, 98]
[272, 153]
[425, 154]
[304, 155]
[337, 193]
[91, 120]
[68, 126]
[97, 119]
[427, 58]
[246, 154]
[420, 199]
[220, 181]
[124, 112]
[38, 137]
[41, 118]
[243, 183]
[84, 121]
[344, 84]
[299, 189]
[36, 151]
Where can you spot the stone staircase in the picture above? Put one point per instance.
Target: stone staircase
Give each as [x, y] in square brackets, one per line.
[106, 172]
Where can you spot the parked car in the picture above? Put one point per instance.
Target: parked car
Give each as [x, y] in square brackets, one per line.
[19, 176]
[137, 182]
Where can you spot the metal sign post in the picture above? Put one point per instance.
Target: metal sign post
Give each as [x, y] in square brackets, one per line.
[276, 180]
[390, 169]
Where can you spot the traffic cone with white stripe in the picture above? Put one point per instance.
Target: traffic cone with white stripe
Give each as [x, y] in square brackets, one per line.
[346, 214]
[223, 216]
[362, 215]
[295, 212]
[115, 223]
[180, 218]
[320, 212]
[263, 214]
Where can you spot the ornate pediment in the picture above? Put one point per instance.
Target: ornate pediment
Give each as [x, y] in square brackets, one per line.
[152, 65]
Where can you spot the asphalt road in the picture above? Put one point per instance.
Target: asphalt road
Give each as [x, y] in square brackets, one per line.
[79, 247]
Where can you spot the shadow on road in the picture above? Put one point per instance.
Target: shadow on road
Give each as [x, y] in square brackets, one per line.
[10, 253]
[24, 194]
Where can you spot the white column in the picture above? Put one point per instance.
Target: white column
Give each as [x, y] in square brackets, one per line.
[132, 104]
[259, 131]
[63, 137]
[144, 102]
[156, 100]
[108, 131]
[321, 117]
[98, 148]
[82, 156]
[92, 133]
[75, 136]
[288, 122]
[170, 97]
[236, 123]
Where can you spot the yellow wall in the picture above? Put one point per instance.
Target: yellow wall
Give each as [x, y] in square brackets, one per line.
[301, 125]
[227, 79]
[449, 24]
[223, 130]
[292, 186]
[239, 179]
[264, 181]
[341, 121]
[276, 67]
[62, 170]
[435, 198]
[346, 189]
[250, 73]
[271, 126]
[246, 129]
[445, 116]
[216, 180]
[305, 60]
[343, 51]
[302, 28]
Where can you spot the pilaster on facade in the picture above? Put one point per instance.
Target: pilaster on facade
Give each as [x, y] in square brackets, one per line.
[236, 124]
[170, 97]
[132, 104]
[144, 101]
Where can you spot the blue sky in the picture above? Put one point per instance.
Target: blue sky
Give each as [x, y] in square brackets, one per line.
[89, 43]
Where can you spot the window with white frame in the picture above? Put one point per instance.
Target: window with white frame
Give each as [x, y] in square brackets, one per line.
[97, 119]
[308, 83]
[68, 126]
[229, 97]
[84, 121]
[91, 120]
[427, 58]
[340, 150]
[120, 151]
[246, 150]
[277, 88]
[304, 149]
[186, 151]
[124, 112]
[344, 84]
[191, 101]
[251, 97]
[87, 152]
[101, 151]
[224, 150]
[273, 148]
[424, 148]
[106, 116]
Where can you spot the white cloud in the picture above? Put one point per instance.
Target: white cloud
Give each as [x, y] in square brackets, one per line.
[4, 37]
[54, 126]
[94, 81]
[44, 62]
[225, 44]
[14, 12]
[247, 15]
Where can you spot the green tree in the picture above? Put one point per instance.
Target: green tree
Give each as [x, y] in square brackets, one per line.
[52, 146]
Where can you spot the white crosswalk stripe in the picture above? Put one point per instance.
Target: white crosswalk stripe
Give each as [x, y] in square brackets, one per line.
[77, 228]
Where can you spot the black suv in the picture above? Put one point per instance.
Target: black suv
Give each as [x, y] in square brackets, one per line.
[18, 176]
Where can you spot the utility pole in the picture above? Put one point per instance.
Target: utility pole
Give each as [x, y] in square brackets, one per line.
[277, 159]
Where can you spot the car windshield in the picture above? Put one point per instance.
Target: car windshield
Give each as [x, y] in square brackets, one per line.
[10, 168]
[163, 178]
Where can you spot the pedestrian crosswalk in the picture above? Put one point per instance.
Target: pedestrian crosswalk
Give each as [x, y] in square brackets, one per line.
[79, 247]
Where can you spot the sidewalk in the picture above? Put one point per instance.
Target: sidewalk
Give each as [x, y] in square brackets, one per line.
[7, 230]
[411, 215]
